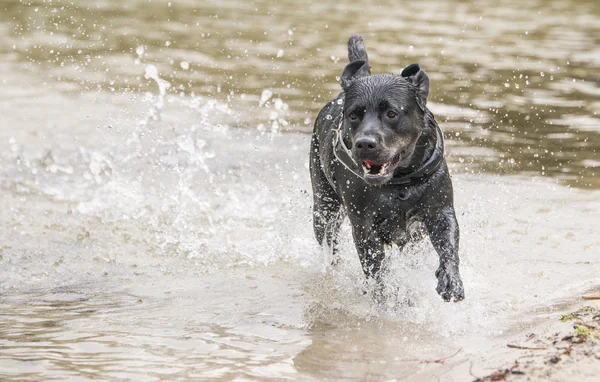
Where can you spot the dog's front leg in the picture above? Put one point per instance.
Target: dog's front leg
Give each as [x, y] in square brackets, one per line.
[370, 251]
[327, 212]
[444, 234]
[371, 254]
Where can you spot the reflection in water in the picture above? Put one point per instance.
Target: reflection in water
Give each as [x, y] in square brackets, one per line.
[68, 334]
[519, 79]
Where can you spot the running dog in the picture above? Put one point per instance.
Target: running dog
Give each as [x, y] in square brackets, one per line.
[377, 156]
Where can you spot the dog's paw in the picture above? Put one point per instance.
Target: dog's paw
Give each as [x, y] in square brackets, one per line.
[450, 286]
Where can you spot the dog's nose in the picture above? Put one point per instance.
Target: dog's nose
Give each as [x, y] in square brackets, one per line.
[366, 145]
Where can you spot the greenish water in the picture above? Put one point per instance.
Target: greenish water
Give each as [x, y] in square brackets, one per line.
[516, 82]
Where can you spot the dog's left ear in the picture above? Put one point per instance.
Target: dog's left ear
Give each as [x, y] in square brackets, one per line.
[415, 75]
[354, 70]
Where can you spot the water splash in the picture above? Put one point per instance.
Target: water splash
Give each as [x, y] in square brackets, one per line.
[151, 72]
[277, 111]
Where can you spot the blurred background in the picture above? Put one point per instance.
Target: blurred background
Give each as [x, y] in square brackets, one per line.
[515, 86]
[155, 218]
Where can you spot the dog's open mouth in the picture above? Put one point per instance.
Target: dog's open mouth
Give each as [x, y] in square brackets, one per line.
[379, 169]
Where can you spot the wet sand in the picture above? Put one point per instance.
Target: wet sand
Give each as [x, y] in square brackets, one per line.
[562, 348]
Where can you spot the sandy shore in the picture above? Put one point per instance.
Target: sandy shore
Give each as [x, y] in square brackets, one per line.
[567, 349]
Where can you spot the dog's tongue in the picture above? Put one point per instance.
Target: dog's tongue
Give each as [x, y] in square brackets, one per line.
[372, 163]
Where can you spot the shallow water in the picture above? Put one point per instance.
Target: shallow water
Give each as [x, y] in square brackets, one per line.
[155, 219]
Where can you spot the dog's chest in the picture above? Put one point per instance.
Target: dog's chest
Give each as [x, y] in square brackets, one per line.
[393, 210]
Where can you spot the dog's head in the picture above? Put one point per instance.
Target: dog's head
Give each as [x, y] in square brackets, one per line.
[383, 118]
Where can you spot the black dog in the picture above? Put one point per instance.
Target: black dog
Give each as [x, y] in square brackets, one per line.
[377, 151]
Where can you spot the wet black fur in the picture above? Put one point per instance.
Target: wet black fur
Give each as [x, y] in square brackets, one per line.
[382, 214]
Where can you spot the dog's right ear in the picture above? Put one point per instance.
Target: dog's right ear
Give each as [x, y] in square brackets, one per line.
[417, 76]
[354, 70]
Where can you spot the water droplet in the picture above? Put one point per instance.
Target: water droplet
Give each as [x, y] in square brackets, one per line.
[265, 96]
[140, 50]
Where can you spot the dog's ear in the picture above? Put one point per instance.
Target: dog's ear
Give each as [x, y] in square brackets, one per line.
[416, 76]
[354, 70]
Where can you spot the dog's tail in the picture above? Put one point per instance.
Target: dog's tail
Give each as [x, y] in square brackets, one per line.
[357, 50]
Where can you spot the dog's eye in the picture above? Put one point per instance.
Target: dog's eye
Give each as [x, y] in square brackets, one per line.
[392, 114]
[352, 116]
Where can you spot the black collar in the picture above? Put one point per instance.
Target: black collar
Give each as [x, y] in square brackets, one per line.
[344, 156]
